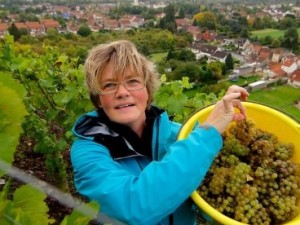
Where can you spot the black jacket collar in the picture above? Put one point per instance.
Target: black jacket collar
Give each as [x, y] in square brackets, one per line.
[119, 139]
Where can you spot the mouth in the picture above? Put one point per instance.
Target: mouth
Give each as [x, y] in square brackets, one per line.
[124, 106]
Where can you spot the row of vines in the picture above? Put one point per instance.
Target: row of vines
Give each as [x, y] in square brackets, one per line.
[42, 95]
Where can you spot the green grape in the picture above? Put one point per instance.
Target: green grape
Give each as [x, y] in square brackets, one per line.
[253, 180]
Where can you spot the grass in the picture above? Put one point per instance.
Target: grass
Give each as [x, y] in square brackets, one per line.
[241, 81]
[274, 33]
[282, 97]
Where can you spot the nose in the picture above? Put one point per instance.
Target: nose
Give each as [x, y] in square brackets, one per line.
[122, 90]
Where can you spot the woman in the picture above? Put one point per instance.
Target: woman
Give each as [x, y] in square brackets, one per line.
[126, 156]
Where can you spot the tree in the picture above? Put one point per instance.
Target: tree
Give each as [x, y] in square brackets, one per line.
[206, 19]
[182, 55]
[267, 40]
[216, 69]
[244, 33]
[229, 64]
[84, 31]
[190, 70]
[290, 39]
[17, 33]
[181, 13]
[287, 22]
[168, 22]
[275, 43]
[206, 75]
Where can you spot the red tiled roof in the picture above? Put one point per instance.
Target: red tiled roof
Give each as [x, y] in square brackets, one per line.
[264, 53]
[257, 48]
[295, 75]
[3, 26]
[20, 25]
[33, 25]
[50, 23]
[276, 69]
[288, 62]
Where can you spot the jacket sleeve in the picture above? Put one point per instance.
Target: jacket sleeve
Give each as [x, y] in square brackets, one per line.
[157, 191]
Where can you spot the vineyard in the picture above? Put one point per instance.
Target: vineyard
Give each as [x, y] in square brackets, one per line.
[42, 95]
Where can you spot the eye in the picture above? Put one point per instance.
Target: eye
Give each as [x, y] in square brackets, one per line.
[109, 85]
[134, 81]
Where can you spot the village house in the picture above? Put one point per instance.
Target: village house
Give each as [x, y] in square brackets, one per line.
[279, 53]
[257, 85]
[124, 23]
[20, 26]
[274, 70]
[93, 24]
[193, 30]
[241, 43]
[289, 66]
[264, 55]
[137, 21]
[203, 50]
[294, 79]
[220, 55]
[245, 72]
[3, 29]
[181, 23]
[208, 36]
[110, 24]
[35, 28]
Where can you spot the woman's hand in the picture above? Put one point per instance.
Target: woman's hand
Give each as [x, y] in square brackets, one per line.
[224, 111]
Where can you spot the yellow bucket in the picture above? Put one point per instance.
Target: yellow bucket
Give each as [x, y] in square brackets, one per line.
[268, 119]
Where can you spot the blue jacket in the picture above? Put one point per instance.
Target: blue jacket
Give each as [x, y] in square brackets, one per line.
[130, 186]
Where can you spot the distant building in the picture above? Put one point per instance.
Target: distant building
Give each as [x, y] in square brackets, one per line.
[257, 85]
[3, 29]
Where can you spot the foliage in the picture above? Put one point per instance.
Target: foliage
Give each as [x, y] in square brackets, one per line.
[77, 218]
[190, 70]
[172, 98]
[12, 113]
[183, 55]
[205, 19]
[168, 22]
[229, 64]
[53, 83]
[291, 39]
[26, 207]
[84, 31]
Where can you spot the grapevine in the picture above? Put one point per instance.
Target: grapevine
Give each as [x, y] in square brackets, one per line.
[253, 179]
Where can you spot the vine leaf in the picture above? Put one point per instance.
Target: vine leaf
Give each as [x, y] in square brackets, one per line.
[77, 218]
[27, 207]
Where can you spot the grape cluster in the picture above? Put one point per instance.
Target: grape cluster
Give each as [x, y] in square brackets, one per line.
[253, 179]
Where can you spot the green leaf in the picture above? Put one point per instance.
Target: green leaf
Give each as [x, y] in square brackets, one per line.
[29, 206]
[13, 84]
[11, 118]
[163, 78]
[185, 83]
[5, 212]
[177, 103]
[77, 218]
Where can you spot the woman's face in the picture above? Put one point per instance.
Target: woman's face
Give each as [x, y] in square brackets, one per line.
[124, 107]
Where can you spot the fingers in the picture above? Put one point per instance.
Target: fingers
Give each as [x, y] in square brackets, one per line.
[242, 111]
[224, 111]
[228, 100]
[231, 96]
[237, 89]
[231, 100]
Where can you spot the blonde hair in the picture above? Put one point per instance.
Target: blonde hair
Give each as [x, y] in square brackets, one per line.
[122, 54]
